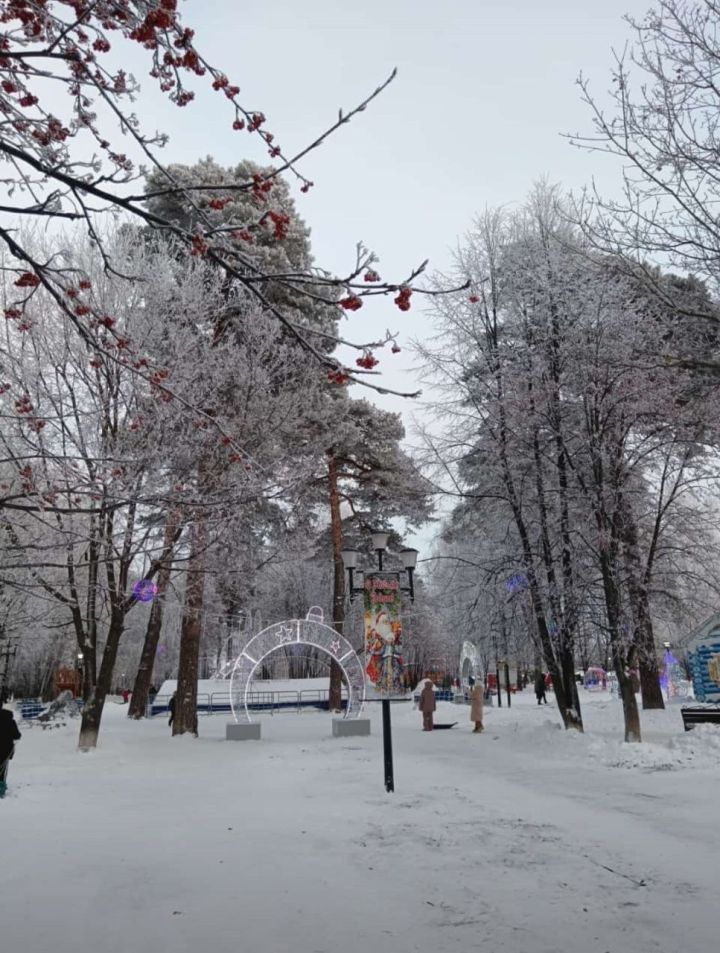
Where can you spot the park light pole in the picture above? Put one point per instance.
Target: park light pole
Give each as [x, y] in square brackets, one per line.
[79, 667]
[381, 591]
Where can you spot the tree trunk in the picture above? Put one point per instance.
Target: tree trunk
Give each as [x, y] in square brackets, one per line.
[631, 714]
[185, 720]
[560, 655]
[644, 635]
[338, 605]
[89, 649]
[93, 708]
[650, 687]
[88, 668]
[143, 679]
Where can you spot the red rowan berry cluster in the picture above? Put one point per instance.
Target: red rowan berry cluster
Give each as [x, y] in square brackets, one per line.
[199, 245]
[27, 279]
[260, 187]
[23, 405]
[27, 478]
[281, 223]
[339, 376]
[368, 361]
[403, 299]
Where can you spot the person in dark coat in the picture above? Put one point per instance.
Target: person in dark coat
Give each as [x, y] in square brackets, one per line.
[9, 734]
[427, 705]
[171, 709]
[540, 688]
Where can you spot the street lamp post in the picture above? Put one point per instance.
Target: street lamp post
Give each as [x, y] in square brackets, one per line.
[409, 561]
[80, 660]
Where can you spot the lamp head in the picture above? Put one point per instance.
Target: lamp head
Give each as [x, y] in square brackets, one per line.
[380, 540]
[349, 558]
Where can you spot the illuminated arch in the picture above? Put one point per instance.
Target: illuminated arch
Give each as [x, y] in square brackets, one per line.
[309, 631]
[470, 665]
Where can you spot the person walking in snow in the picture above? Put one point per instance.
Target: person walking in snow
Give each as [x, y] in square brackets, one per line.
[476, 706]
[540, 688]
[9, 734]
[171, 709]
[427, 705]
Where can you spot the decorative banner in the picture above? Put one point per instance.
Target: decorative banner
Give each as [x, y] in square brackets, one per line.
[383, 632]
[144, 590]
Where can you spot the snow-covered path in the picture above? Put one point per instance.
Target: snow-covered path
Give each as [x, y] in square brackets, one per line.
[523, 839]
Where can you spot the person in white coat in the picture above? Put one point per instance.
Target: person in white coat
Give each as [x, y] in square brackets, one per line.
[476, 706]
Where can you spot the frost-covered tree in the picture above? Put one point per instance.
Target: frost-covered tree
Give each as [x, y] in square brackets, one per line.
[662, 123]
[100, 453]
[557, 409]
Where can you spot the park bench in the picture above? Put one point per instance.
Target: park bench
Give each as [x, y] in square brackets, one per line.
[696, 715]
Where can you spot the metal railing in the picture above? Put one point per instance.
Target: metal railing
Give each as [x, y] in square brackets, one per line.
[31, 708]
[216, 702]
[441, 695]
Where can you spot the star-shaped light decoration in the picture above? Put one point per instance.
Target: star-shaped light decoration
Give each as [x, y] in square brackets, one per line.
[286, 635]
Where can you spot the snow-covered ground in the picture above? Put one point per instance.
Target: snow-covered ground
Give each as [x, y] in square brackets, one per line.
[523, 839]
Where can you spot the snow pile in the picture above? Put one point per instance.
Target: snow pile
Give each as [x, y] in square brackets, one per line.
[698, 748]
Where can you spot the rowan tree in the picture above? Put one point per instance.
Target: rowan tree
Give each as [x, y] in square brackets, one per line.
[73, 149]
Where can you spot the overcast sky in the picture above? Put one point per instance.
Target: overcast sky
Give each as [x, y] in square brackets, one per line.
[485, 89]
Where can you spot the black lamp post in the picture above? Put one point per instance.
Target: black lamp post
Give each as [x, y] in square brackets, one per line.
[409, 561]
[80, 674]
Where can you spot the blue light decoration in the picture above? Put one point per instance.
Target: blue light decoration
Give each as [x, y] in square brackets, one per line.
[516, 583]
[144, 590]
[671, 675]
